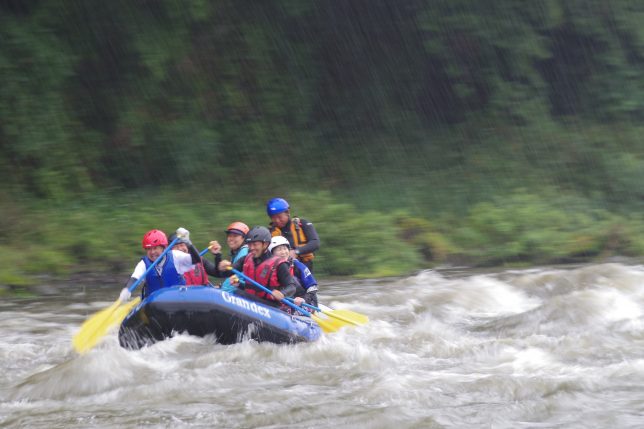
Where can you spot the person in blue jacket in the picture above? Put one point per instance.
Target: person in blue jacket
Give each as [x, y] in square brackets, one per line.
[235, 238]
[281, 247]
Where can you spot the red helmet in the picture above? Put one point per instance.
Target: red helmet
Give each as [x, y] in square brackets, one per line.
[154, 238]
[239, 228]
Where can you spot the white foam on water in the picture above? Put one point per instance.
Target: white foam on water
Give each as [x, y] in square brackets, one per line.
[534, 348]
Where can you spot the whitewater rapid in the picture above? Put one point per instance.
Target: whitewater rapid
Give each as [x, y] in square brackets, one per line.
[547, 347]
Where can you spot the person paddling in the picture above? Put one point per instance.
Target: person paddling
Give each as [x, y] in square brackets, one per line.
[300, 233]
[196, 276]
[270, 271]
[280, 247]
[235, 238]
[169, 271]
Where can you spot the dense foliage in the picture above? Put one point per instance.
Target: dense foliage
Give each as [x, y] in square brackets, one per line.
[483, 132]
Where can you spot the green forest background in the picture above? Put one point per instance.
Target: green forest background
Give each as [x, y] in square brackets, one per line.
[412, 133]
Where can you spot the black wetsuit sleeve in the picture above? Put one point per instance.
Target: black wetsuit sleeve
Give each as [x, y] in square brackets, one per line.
[130, 282]
[212, 268]
[313, 240]
[287, 283]
[299, 290]
[194, 254]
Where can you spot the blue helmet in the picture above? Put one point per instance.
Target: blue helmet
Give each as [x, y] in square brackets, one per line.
[276, 206]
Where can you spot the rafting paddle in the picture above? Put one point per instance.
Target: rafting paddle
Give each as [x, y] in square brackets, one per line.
[326, 325]
[95, 328]
[348, 316]
[124, 310]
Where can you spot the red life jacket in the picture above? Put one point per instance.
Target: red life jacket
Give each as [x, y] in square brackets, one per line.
[197, 276]
[265, 274]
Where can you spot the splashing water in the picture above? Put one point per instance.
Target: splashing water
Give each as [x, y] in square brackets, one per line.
[533, 348]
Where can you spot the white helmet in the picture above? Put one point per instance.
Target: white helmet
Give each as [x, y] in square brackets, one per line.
[278, 241]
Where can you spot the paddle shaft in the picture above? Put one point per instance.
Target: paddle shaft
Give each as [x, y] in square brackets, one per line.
[268, 291]
[156, 261]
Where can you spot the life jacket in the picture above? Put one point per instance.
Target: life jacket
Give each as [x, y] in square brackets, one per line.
[297, 236]
[303, 274]
[265, 274]
[164, 274]
[197, 276]
[241, 253]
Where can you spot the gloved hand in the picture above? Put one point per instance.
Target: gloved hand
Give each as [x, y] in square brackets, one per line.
[183, 235]
[311, 298]
[125, 295]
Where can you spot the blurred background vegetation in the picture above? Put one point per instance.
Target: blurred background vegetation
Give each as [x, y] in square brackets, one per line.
[412, 133]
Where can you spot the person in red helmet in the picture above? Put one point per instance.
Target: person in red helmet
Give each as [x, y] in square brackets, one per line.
[168, 272]
[260, 265]
[300, 233]
[235, 238]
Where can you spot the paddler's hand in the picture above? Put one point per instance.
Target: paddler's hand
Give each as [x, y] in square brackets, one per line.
[225, 265]
[214, 247]
[234, 280]
[183, 235]
[277, 295]
[125, 295]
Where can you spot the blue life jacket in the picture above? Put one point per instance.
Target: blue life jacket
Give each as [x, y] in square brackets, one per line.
[304, 275]
[169, 275]
[241, 254]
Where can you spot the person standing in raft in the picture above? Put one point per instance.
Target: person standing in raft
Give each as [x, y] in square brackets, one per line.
[307, 291]
[300, 233]
[170, 270]
[270, 271]
[197, 276]
[235, 237]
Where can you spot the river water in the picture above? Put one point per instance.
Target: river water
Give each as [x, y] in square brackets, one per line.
[539, 348]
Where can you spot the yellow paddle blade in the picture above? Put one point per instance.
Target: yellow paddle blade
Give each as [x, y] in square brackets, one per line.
[329, 324]
[348, 316]
[95, 328]
[91, 330]
[326, 325]
[119, 314]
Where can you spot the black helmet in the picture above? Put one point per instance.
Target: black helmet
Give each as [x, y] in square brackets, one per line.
[258, 233]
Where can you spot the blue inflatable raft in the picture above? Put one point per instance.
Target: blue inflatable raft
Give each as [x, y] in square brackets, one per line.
[204, 310]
